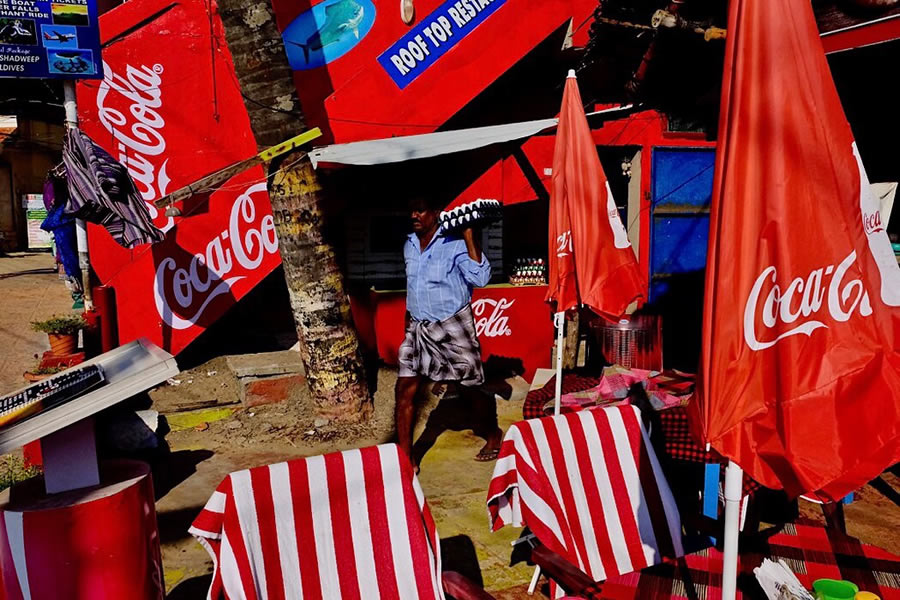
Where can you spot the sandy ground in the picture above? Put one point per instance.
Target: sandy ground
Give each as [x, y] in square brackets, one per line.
[31, 290]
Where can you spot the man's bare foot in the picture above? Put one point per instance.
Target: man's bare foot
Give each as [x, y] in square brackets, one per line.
[438, 389]
[491, 449]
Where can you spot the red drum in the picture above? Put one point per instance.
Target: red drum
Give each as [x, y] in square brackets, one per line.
[97, 543]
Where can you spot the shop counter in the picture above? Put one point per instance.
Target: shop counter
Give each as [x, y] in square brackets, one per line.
[511, 322]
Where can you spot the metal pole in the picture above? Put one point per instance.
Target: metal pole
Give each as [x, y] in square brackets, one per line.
[560, 326]
[80, 226]
[734, 476]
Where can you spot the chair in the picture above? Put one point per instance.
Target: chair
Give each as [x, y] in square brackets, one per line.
[351, 524]
[589, 486]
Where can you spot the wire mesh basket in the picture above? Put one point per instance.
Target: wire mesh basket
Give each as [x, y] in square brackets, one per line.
[635, 343]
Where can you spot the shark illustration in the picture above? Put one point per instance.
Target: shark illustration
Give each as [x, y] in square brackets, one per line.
[340, 17]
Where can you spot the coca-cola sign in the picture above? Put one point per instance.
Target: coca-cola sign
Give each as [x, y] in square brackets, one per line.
[777, 308]
[128, 108]
[796, 308]
[877, 238]
[872, 222]
[490, 317]
[171, 113]
[242, 246]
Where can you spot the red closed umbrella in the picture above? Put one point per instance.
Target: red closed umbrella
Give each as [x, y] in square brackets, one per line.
[591, 261]
[800, 375]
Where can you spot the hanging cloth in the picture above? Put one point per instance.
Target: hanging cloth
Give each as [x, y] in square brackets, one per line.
[101, 191]
[62, 226]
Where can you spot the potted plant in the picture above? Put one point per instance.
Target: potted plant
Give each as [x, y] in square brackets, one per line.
[40, 373]
[62, 331]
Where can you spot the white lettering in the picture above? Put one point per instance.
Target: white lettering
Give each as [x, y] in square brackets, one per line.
[843, 299]
[454, 13]
[143, 139]
[438, 30]
[564, 244]
[445, 24]
[399, 64]
[428, 31]
[422, 45]
[415, 50]
[407, 57]
[496, 324]
[185, 286]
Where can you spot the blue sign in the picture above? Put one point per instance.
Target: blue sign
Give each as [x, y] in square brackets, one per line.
[412, 54]
[326, 32]
[56, 39]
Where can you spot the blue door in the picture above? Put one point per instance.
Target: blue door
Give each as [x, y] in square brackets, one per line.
[682, 187]
[679, 230]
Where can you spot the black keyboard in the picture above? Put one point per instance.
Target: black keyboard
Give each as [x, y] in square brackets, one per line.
[48, 393]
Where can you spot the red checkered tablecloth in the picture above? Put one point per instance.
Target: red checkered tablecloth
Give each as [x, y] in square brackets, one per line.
[537, 399]
[810, 550]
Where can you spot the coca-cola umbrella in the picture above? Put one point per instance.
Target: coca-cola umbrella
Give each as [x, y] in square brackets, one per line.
[591, 262]
[800, 373]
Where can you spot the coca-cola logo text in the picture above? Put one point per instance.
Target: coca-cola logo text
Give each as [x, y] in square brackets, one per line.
[872, 222]
[496, 323]
[206, 277]
[137, 129]
[564, 244]
[777, 309]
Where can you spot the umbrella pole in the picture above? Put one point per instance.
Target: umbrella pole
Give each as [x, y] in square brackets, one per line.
[560, 326]
[734, 476]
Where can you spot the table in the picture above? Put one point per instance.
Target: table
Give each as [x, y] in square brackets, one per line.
[678, 442]
[67, 431]
[810, 550]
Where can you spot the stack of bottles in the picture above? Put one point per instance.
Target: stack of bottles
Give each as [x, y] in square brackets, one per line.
[528, 271]
[478, 213]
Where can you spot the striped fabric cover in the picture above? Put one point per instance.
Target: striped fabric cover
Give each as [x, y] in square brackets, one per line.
[589, 486]
[347, 525]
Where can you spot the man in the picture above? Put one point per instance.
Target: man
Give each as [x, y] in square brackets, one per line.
[440, 344]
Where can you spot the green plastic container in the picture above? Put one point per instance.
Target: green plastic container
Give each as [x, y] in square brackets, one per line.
[832, 589]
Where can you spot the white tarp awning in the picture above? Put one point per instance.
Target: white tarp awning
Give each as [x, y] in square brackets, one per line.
[410, 147]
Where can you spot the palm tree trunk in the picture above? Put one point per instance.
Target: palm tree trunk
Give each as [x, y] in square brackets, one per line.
[328, 340]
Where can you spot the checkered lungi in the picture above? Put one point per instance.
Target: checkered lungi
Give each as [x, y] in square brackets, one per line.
[445, 350]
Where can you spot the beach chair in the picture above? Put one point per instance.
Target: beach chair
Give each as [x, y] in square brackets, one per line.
[590, 488]
[345, 525]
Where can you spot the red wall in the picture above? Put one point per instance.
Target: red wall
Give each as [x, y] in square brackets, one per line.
[352, 98]
[171, 112]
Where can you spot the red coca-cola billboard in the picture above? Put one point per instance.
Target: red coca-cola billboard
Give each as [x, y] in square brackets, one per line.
[170, 109]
